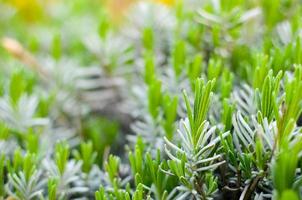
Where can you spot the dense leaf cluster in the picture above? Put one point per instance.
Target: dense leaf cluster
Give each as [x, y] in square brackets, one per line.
[162, 100]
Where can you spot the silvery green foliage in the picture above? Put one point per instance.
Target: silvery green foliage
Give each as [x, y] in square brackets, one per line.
[92, 180]
[145, 127]
[21, 116]
[243, 98]
[105, 86]
[69, 182]
[62, 78]
[112, 51]
[25, 180]
[201, 160]
[21, 189]
[7, 147]
[90, 89]
[215, 110]
[229, 19]
[284, 31]
[52, 135]
[151, 16]
[194, 160]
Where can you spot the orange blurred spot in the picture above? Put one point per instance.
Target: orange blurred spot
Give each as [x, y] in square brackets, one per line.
[118, 8]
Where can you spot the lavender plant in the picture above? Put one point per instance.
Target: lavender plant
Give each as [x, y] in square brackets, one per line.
[158, 99]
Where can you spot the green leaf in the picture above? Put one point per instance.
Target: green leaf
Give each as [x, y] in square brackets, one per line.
[17, 86]
[112, 167]
[154, 98]
[292, 105]
[104, 26]
[149, 69]
[29, 166]
[289, 194]
[100, 194]
[269, 95]
[260, 159]
[226, 84]
[2, 175]
[139, 192]
[148, 39]
[17, 161]
[179, 57]
[170, 114]
[214, 68]
[195, 69]
[138, 179]
[285, 166]
[200, 107]
[86, 155]
[56, 47]
[32, 142]
[61, 156]
[52, 189]
[227, 113]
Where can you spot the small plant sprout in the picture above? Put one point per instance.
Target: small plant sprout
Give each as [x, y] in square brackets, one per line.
[151, 100]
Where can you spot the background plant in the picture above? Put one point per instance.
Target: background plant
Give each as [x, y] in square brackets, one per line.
[157, 99]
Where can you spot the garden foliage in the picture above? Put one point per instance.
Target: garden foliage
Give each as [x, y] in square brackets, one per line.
[164, 100]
